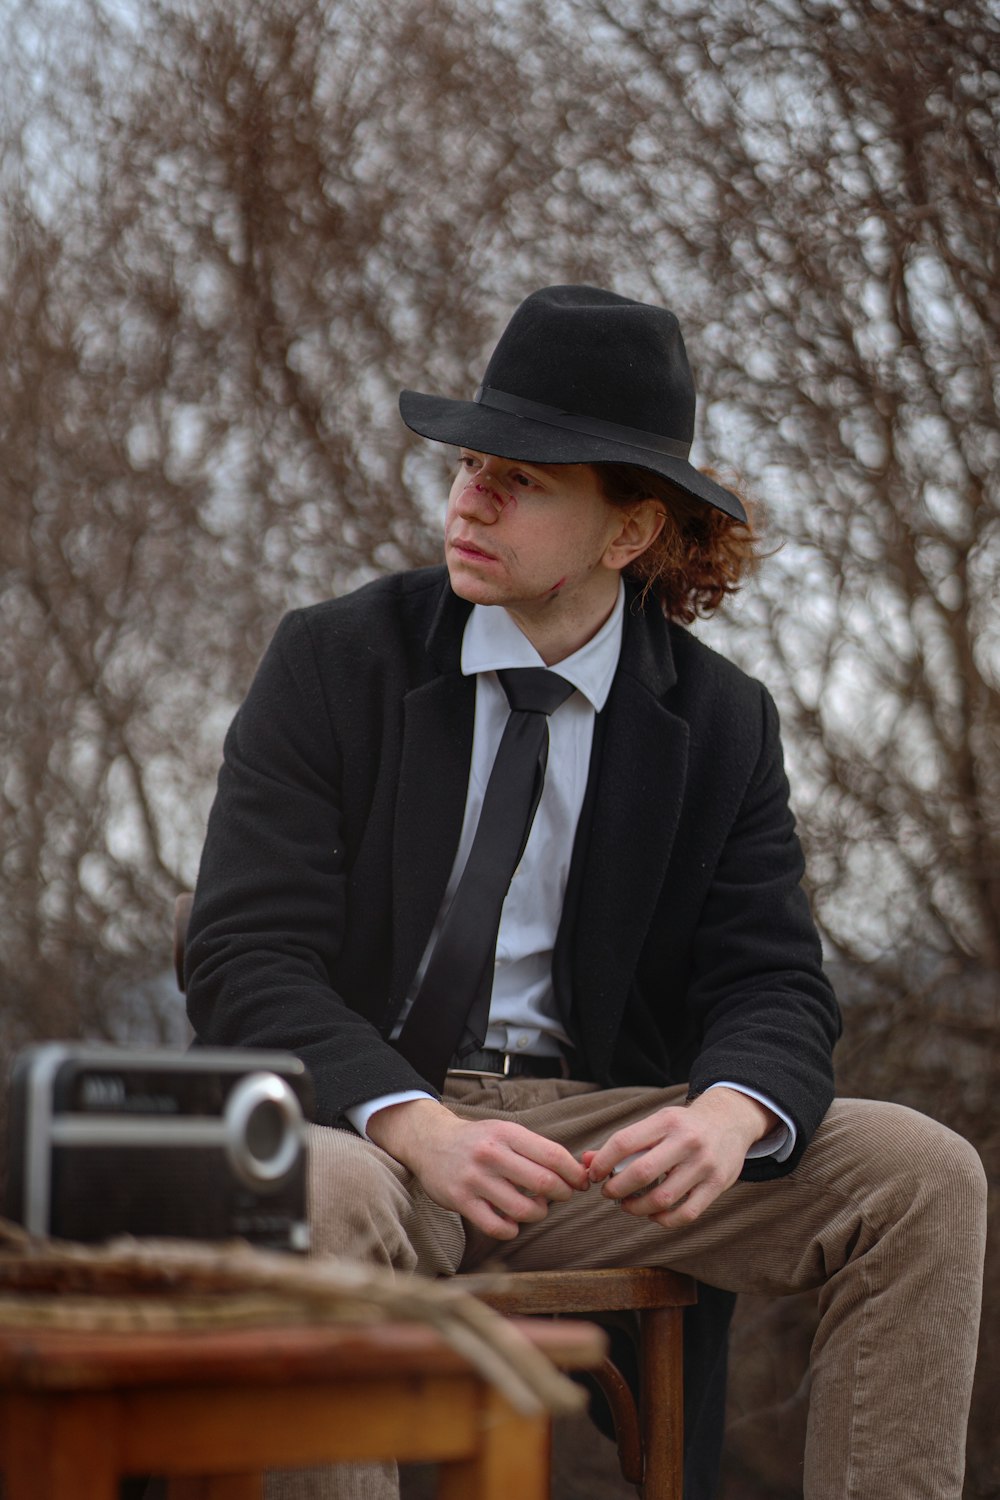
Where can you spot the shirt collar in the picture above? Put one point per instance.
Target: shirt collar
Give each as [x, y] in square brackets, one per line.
[492, 642]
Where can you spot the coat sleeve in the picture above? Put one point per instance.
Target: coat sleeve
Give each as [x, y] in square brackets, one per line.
[765, 1012]
[269, 914]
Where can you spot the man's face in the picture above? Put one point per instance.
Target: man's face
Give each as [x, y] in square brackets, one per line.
[532, 537]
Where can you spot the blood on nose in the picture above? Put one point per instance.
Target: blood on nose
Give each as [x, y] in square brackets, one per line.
[500, 498]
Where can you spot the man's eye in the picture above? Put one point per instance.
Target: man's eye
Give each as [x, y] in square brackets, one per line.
[523, 481]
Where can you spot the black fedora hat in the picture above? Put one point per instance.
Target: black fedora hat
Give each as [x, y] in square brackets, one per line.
[581, 376]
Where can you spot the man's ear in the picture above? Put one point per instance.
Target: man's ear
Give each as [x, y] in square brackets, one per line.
[642, 523]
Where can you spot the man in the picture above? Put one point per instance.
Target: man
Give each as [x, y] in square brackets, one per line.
[634, 1066]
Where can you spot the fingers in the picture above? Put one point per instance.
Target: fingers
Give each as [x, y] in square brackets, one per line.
[539, 1167]
[513, 1205]
[505, 1176]
[495, 1173]
[558, 1168]
[669, 1167]
[501, 1207]
[540, 1182]
[524, 1173]
[677, 1198]
[485, 1217]
[687, 1210]
[625, 1148]
[635, 1157]
[491, 1215]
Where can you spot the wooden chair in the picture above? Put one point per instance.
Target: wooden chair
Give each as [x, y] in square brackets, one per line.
[649, 1423]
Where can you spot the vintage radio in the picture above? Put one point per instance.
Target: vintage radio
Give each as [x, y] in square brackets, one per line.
[207, 1144]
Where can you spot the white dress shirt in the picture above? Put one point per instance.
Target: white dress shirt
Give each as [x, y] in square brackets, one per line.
[524, 1016]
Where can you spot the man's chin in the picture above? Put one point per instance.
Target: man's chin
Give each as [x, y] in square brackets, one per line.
[466, 585]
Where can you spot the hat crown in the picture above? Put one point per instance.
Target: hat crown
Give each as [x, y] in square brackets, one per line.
[593, 353]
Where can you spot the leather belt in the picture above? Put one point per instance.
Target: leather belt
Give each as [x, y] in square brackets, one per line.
[488, 1063]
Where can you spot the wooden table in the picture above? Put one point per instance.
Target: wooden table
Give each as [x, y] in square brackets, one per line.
[212, 1410]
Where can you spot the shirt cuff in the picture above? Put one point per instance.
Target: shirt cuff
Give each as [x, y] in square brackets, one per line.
[779, 1142]
[360, 1114]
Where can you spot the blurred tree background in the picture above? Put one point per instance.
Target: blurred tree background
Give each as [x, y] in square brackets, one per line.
[232, 230]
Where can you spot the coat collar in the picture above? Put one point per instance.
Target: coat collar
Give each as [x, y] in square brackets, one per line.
[647, 655]
[444, 637]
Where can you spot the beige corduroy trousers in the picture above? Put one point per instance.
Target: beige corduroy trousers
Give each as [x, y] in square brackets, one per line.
[885, 1215]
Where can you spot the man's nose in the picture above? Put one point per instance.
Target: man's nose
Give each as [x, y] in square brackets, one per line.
[483, 496]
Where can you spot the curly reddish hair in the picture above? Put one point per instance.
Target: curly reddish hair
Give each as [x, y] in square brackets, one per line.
[700, 556]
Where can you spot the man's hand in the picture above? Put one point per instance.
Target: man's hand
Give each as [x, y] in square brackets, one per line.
[698, 1151]
[496, 1174]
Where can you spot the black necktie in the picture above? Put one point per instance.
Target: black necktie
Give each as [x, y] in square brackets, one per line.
[460, 970]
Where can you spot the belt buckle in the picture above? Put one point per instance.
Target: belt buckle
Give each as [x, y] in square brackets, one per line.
[472, 1073]
[508, 1058]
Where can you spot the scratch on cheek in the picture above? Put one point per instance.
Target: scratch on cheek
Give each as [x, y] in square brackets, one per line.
[557, 586]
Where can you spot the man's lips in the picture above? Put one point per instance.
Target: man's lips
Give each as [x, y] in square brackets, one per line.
[470, 550]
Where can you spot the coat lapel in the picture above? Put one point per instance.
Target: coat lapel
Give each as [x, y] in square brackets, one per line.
[624, 856]
[430, 802]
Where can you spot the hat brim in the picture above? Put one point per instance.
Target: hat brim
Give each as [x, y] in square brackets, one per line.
[467, 424]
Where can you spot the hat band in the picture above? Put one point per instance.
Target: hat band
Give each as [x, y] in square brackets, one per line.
[517, 406]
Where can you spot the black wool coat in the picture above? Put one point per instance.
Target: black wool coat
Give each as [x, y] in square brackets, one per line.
[686, 950]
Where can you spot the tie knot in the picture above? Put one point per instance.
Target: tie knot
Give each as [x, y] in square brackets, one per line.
[534, 690]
